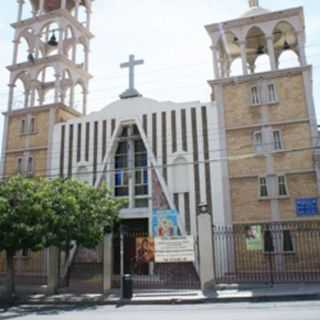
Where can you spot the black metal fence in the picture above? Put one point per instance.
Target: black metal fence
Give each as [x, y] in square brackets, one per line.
[272, 253]
[146, 274]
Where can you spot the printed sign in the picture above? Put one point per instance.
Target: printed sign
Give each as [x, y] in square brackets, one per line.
[164, 223]
[176, 249]
[307, 206]
[144, 250]
[254, 239]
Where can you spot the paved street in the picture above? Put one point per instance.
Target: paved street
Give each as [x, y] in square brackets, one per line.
[240, 311]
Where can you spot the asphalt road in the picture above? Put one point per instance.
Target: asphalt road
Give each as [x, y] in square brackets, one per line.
[239, 311]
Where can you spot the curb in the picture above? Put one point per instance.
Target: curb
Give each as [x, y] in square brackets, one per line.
[173, 301]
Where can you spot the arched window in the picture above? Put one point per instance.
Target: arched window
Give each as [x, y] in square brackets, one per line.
[49, 36]
[262, 63]
[286, 45]
[19, 94]
[256, 50]
[79, 92]
[228, 51]
[288, 59]
[236, 67]
[23, 50]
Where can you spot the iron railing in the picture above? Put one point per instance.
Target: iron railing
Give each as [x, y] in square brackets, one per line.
[278, 252]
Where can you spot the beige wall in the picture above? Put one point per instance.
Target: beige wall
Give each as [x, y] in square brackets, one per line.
[290, 115]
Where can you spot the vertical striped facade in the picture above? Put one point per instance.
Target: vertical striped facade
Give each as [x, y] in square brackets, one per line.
[181, 140]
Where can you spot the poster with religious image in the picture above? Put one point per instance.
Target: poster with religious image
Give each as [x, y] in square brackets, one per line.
[164, 223]
[254, 240]
[144, 250]
[159, 200]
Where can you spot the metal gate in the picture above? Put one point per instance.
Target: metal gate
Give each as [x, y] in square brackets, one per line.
[277, 253]
[146, 274]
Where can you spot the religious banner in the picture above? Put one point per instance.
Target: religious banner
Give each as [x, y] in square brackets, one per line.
[144, 250]
[254, 239]
[159, 200]
[175, 249]
[164, 223]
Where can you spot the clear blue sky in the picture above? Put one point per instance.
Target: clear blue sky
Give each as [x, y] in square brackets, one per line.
[169, 35]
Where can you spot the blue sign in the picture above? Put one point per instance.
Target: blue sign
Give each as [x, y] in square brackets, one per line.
[164, 223]
[307, 206]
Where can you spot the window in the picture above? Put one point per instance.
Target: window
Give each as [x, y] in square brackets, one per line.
[282, 186]
[258, 141]
[263, 187]
[30, 167]
[255, 96]
[268, 242]
[272, 97]
[287, 241]
[277, 140]
[23, 126]
[32, 125]
[19, 166]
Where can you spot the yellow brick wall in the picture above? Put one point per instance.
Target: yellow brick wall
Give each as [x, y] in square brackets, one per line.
[246, 205]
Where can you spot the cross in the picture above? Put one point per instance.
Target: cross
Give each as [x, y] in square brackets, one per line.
[131, 65]
[253, 3]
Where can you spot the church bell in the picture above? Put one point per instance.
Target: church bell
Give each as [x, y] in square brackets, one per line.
[53, 41]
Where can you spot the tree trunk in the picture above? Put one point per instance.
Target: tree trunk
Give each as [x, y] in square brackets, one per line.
[10, 282]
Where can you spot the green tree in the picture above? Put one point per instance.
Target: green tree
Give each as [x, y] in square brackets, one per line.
[80, 213]
[23, 220]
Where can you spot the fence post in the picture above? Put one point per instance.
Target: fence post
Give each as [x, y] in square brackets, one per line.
[53, 270]
[207, 273]
[107, 262]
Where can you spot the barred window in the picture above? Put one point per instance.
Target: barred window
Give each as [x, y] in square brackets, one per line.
[255, 96]
[258, 141]
[268, 242]
[263, 187]
[282, 185]
[19, 166]
[287, 241]
[272, 97]
[277, 140]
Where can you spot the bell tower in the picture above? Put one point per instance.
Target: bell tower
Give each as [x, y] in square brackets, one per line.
[263, 89]
[49, 79]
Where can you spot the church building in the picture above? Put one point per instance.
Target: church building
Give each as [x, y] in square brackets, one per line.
[248, 156]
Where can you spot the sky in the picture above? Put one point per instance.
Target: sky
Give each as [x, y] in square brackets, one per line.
[169, 35]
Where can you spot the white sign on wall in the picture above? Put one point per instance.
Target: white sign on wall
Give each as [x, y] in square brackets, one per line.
[176, 249]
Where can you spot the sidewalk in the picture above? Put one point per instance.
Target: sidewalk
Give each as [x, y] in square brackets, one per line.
[222, 295]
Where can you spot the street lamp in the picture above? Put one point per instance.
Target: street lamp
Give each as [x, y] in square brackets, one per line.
[203, 208]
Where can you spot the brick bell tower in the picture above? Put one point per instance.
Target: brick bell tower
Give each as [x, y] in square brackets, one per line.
[263, 89]
[49, 80]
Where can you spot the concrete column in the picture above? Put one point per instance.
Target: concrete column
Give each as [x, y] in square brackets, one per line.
[271, 53]
[15, 51]
[11, 95]
[53, 270]
[63, 4]
[244, 57]
[20, 10]
[207, 272]
[301, 48]
[61, 33]
[77, 9]
[215, 63]
[57, 87]
[107, 262]
[41, 7]
[88, 18]
[84, 103]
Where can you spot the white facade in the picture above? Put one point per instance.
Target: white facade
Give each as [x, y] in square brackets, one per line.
[183, 144]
